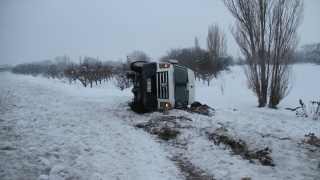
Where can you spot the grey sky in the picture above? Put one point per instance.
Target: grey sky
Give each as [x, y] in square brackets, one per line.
[35, 30]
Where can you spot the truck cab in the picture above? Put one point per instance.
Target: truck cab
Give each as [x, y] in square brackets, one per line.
[159, 85]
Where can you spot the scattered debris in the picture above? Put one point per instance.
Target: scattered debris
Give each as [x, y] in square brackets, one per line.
[199, 108]
[196, 104]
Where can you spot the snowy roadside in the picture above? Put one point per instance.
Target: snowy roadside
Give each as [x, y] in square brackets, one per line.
[51, 134]
[55, 130]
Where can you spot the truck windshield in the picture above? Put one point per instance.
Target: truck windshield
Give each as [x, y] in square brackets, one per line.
[181, 86]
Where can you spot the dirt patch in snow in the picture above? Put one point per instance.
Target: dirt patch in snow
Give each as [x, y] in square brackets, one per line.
[8, 148]
[190, 171]
[201, 109]
[239, 147]
[166, 127]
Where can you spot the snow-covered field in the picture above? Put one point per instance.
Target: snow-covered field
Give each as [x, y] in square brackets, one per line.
[52, 130]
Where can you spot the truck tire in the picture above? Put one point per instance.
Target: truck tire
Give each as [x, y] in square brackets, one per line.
[137, 66]
[137, 107]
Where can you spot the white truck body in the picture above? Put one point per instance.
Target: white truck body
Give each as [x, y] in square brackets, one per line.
[162, 85]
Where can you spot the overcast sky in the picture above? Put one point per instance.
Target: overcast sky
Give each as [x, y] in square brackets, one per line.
[35, 30]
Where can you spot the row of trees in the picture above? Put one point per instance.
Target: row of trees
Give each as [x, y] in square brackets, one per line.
[88, 71]
[45, 68]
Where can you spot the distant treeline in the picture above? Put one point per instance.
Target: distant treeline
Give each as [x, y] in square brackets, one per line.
[308, 53]
[88, 71]
[91, 70]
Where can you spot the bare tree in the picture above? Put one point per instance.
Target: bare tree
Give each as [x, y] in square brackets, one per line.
[217, 48]
[257, 32]
[107, 71]
[206, 76]
[250, 34]
[186, 57]
[197, 50]
[171, 54]
[287, 17]
[137, 56]
[216, 59]
[91, 71]
[99, 72]
[53, 71]
[62, 62]
[83, 73]
[217, 41]
[121, 81]
[205, 68]
[70, 73]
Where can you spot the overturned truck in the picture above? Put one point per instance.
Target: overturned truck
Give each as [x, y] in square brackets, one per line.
[160, 85]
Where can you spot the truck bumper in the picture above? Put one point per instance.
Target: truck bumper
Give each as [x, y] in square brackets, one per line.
[149, 99]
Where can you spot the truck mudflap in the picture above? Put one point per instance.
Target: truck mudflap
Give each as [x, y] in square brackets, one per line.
[149, 71]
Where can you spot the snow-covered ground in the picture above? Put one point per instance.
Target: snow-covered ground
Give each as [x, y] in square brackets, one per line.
[52, 130]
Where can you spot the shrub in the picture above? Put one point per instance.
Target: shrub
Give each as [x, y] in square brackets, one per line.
[314, 109]
[121, 81]
[312, 139]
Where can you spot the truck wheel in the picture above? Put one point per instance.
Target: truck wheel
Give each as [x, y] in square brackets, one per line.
[137, 66]
[137, 107]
